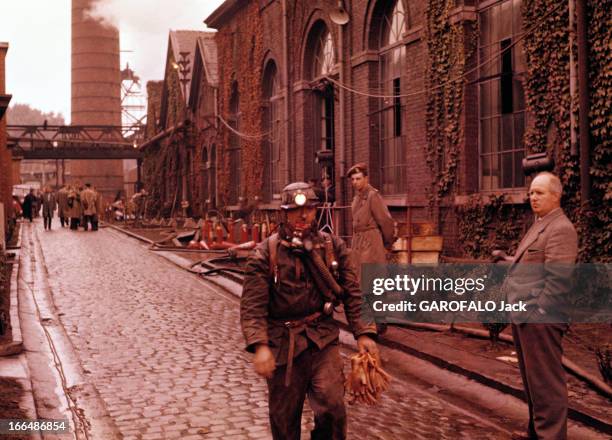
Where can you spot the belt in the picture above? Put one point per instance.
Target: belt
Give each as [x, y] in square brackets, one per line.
[296, 327]
[368, 228]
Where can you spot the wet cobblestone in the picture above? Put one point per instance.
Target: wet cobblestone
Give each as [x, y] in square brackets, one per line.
[166, 354]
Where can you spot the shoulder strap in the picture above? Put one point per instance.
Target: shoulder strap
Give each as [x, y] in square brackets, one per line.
[273, 243]
[330, 255]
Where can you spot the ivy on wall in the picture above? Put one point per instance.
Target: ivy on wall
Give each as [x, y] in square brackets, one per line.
[449, 46]
[485, 224]
[548, 105]
[161, 165]
[489, 223]
[242, 64]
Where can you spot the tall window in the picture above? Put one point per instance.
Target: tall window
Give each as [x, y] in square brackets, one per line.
[235, 189]
[324, 62]
[271, 124]
[502, 100]
[392, 53]
[324, 59]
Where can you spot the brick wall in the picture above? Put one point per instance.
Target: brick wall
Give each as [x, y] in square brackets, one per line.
[6, 164]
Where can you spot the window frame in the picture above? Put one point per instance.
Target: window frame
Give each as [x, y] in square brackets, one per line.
[392, 128]
[492, 76]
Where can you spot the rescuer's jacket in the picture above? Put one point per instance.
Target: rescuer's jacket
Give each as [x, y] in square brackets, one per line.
[276, 294]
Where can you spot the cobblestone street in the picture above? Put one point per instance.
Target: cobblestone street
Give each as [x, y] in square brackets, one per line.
[165, 351]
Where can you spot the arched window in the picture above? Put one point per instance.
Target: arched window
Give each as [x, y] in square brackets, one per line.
[271, 124]
[322, 61]
[324, 54]
[234, 147]
[392, 62]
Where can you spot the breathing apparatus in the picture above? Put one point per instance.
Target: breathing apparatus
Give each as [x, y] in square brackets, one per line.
[298, 238]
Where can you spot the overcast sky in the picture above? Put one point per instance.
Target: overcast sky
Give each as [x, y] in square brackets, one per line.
[38, 33]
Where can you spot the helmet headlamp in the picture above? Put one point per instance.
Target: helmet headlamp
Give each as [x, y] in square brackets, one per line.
[300, 199]
[297, 195]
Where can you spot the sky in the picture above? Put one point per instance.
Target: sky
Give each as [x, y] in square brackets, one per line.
[38, 33]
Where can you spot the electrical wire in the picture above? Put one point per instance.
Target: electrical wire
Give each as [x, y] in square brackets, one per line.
[263, 135]
[460, 77]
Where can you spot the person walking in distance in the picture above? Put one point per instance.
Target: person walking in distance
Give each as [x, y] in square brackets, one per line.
[29, 205]
[74, 207]
[62, 206]
[49, 204]
[88, 205]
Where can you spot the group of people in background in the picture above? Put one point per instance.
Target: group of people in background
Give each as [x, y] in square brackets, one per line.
[76, 206]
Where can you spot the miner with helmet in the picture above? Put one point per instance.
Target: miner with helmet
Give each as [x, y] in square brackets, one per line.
[293, 282]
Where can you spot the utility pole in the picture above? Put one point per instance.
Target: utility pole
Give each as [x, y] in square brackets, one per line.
[183, 68]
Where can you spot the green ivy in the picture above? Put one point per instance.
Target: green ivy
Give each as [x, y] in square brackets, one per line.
[449, 46]
[489, 223]
[548, 103]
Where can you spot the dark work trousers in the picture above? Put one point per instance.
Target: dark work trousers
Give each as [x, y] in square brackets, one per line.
[94, 222]
[86, 220]
[318, 374]
[539, 352]
[47, 221]
[63, 221]
[74, 223]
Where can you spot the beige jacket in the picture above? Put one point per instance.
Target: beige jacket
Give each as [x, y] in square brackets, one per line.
[89, 201]
[372, 227]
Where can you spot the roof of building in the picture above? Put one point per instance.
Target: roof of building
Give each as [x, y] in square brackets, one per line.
[208, 50]
[224, 12]
[184, 43]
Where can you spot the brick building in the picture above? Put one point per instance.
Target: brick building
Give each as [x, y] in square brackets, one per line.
[434, 95]
[6, 162]
[170, 172]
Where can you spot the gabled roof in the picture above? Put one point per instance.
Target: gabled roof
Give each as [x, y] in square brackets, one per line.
[204, 66]
[208, 50]
[224, 13]
[179, 41]
[184, 42]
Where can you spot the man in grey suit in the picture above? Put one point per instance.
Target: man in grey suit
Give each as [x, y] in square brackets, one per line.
[49, 204]
[540, 276]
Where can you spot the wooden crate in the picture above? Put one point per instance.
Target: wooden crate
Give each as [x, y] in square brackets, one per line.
[430, 243]
[417, 229]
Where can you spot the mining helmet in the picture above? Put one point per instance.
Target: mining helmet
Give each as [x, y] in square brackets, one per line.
[298, 194]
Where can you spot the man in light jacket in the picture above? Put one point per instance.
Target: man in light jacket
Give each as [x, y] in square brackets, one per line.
[89, 204]
[62, 205]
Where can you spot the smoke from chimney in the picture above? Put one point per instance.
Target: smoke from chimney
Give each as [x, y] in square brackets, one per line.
[144, 27]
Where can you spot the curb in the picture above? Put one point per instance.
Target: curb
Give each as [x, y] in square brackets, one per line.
[16, 345]
[573, 412]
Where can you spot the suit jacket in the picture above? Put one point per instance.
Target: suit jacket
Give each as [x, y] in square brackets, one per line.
[62, 202]
[88, 202]
[541, 272]
[48, 204]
